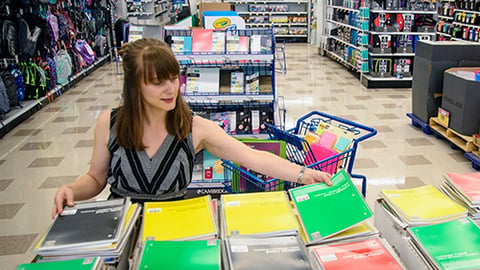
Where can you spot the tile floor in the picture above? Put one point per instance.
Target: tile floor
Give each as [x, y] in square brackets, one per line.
[53, 146]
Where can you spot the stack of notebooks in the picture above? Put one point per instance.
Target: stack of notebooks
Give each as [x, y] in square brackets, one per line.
[364, 253]
[181, 255]
[464, 188]
[189, 219]
[179, 235]
[97, 228]
[422, 205]
[261, 232]
[89, 263]
[259, 214]
[266, 253]
[449, 245]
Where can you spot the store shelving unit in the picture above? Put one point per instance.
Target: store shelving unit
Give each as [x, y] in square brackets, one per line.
[376, 39]
[347, 38]
[149, 12]
[291, 20]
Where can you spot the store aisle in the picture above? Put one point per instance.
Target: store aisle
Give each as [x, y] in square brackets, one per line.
[53, 146]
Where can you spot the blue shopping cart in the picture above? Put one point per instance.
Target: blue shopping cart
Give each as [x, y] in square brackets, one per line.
[299, 150]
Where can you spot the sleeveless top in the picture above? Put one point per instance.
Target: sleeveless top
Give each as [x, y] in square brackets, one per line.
[165, 176]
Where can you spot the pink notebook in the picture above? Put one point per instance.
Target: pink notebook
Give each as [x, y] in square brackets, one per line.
[202, 40]
[320, 152]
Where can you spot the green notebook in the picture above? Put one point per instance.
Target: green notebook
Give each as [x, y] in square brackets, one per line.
[78, 264]
[450, 245]
[327, 210]
[179, 255]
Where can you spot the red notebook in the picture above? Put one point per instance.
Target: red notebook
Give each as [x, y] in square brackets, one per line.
[468, 184]
[364, 254]
[202, 40]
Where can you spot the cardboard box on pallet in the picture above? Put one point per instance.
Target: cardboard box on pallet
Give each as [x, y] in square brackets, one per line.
[432, 58]
[461, 98]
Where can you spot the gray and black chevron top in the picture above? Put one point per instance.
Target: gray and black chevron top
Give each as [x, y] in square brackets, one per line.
[164, 177]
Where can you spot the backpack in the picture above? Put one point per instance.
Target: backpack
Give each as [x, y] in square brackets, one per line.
[9, 39]
[48, 74]
[44, 40]
[26, 40]
[85, 51]
[10, 85]
[63, 63]
[53, 71]
[52, 21]
[4, 102]
[100, 45]
[35, 81]
[19, 82]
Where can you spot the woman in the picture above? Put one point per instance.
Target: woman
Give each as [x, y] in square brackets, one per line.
[145, 148]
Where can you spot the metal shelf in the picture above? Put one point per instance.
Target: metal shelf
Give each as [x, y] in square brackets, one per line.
[403, 11]
[391, 54]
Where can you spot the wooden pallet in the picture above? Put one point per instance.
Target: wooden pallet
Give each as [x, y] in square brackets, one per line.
[463, 142]
[476, 142]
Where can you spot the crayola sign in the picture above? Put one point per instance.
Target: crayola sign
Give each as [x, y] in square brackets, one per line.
[221, 23]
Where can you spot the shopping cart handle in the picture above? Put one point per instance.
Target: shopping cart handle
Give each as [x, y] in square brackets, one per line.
[371, 131]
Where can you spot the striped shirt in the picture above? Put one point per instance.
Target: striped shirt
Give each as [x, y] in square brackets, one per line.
[165, 176]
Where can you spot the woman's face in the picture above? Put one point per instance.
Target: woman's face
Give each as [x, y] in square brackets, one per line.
[161, 94]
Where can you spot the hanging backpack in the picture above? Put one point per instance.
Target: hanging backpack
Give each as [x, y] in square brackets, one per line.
[100, 45]
[53, 71]
[10, 85]
[48, 74]
[9, 39]
[85, 51]
[4, 102]
[35, 81]
[52, 21]
[63, 63]
[26, 39]
[19, 82]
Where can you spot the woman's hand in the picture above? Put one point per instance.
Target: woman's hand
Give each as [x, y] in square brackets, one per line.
[64, 196]
[311, 176]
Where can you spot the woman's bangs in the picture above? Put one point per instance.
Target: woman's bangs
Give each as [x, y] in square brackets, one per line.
[158, 66]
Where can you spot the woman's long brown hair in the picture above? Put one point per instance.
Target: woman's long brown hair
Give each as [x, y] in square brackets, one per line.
[148, 59]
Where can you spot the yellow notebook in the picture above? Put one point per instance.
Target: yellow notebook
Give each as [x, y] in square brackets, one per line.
[421, 205]
[260, 214]
[179, 220]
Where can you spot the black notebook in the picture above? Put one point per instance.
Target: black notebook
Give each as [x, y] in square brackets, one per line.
[88, 224]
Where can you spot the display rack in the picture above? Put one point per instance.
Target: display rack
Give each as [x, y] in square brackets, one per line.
[220, 98]
[291, 20]
[459, 20]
